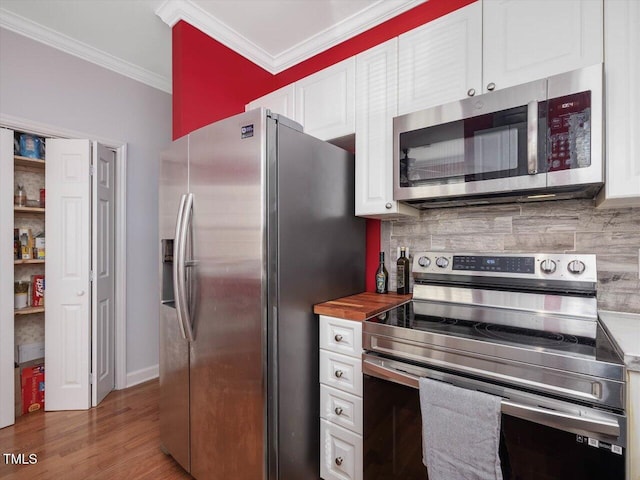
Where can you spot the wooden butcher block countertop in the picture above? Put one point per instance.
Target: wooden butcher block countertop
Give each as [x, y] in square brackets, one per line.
[360, 306]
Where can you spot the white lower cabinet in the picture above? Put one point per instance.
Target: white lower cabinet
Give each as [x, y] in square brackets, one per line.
[341, 453]
[341, 408]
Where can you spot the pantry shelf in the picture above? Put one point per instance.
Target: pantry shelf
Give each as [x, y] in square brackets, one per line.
[27, 162]
[28, 210]
[28, 262]
[29, 310]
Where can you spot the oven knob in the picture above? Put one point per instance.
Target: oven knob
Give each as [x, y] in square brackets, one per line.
[576, 267]
[442, 262]
[548, 266]
[424, 261]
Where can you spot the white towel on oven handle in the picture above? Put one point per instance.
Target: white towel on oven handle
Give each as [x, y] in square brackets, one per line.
[460, 432]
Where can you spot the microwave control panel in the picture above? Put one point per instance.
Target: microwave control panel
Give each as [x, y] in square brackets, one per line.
[569, 130]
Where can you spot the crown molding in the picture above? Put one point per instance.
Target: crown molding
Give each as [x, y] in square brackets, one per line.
[40, 33]
[172, 11]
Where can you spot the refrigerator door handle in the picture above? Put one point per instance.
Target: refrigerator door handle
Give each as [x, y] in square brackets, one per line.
[182, 293]
[177, 249]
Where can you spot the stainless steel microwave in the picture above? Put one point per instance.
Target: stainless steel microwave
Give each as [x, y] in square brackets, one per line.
[538, 140]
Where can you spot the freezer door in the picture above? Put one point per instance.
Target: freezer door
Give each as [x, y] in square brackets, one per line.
[316, 253]
[227, 356]
[174, 349]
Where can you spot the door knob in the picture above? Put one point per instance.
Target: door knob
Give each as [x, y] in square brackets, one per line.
[338, 410]
[339, 461]
[491, 87]
[338, 373]
[80, 293]
[471, 92]
[338, 337]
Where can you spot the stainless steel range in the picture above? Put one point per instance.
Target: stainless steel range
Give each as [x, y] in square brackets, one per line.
[523, 327]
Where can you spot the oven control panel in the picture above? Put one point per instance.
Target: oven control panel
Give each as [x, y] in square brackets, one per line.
[548, 266]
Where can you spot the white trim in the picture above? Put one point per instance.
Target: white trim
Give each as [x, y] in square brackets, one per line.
[18, 123]
[172, 11]
[121, 269]
[142, 375]
[52, 38]
[46, 130]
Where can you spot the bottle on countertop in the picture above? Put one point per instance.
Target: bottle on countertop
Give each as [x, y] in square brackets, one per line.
[403, 268]
[382, 277]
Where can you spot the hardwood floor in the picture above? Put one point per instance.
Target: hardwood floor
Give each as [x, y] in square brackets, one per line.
[119, 439]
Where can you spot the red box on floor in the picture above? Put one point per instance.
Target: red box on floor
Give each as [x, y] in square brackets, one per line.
[32, 388]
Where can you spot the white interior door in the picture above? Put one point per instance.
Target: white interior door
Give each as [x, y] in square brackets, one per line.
[103, 291]
[6, 279]
[67, 271]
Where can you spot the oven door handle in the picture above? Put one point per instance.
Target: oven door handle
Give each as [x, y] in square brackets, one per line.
[551, 418]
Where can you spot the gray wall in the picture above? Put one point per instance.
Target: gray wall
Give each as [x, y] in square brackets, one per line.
[555, 226]
[44, 85]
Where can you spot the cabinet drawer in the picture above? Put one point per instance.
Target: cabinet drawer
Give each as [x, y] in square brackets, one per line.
[341, 408]
[340, 453]
[341, 372]
[342, 336]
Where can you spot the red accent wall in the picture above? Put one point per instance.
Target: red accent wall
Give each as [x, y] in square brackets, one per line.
[211, 81]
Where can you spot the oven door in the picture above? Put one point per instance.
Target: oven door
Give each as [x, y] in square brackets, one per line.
[540, 437]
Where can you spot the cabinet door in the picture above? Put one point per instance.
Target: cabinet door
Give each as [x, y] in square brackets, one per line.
[341, 336]
[376, 105]
[441, 61]
[325, 101]
[341, 372]
[341, 408]
[6, 279]
[281, 101]
[340, 453]
[524, 40]
[67, 320]
[622, 74]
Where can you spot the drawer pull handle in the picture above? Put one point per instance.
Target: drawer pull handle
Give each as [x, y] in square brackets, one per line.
[338, 373]
[339, 461]
[338, 337]
[338, 410]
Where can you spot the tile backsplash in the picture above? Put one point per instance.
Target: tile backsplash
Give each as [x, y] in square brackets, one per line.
[554, 226]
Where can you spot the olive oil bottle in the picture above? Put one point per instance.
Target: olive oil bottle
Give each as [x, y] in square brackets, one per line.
[382, 277]
[403, 268]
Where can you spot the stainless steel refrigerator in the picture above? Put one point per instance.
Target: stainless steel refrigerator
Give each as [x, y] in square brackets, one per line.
[256, 226]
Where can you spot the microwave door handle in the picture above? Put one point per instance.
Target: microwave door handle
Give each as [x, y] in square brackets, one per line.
[532, 137]
[177, 261]
[551, 418]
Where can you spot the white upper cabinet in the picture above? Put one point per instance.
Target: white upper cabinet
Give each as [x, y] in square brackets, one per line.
[325, 101]
[525, 40]
[494, 44]
[622, 77]
[281, 101]
[376, 105]
[441, 61]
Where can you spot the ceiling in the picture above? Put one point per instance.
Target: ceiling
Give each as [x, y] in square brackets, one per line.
[133, 37]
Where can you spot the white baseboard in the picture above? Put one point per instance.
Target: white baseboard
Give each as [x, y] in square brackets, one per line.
[142, 375]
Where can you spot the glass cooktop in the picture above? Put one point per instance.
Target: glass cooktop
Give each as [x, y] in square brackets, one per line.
[600, 348]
